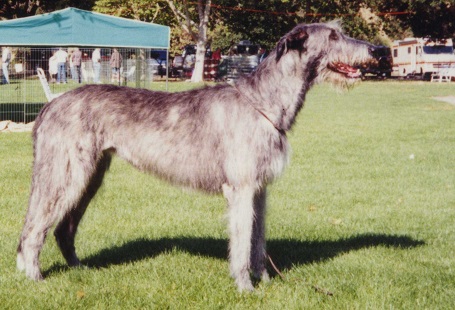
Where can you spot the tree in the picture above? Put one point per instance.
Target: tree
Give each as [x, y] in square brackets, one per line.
[185, 18]
[432, 18]
[22, 8]
[143, 10]
[264, 22]
[420, 18]
[16, 9]
[52, 5]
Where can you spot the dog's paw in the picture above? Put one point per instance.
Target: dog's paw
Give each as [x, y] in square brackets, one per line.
[34, 274]
[244, 284]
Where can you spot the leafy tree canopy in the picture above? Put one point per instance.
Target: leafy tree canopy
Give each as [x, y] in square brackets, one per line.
[10, 9]
[264, 21]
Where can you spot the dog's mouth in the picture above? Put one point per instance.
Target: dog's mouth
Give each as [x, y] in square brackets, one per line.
[345, 69]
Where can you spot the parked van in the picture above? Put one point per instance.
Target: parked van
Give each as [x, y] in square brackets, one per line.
[421, 57]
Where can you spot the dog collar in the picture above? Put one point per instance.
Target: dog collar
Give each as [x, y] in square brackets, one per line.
[248, 100]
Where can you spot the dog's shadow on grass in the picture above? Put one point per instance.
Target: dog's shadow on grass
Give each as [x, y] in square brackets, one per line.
[285, 253]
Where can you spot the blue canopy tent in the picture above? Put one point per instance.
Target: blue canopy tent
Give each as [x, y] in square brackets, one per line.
[74, 27]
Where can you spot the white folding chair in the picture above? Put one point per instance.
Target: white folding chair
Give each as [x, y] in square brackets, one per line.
[126, 76]
[441, 76]
[45, 85]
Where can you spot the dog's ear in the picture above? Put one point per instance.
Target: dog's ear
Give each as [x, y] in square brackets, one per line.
[292, 40]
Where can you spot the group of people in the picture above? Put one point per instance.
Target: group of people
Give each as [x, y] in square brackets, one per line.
[59, 60]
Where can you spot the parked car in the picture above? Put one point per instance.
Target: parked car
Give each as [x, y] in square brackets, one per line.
[246, 47]
[242, 59]
[177, 66]
[383, 66]
[183, 65]
[157, 62]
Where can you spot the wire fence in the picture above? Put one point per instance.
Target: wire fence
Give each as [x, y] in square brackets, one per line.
[22, 95]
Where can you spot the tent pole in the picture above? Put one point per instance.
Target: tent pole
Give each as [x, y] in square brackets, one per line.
[167, 69]
[138, 67]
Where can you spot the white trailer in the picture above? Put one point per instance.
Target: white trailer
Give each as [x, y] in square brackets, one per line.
[421, 57]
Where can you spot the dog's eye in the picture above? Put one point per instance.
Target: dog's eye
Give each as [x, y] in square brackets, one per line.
[334, 36]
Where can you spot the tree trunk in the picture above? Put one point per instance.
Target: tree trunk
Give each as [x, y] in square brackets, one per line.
[204, 13]
[198, 72]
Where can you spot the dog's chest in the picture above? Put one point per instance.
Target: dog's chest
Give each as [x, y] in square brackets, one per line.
[276, 158]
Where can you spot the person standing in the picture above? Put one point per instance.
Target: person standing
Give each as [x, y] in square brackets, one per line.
[217, 54]
[53, 67]
[263, 53]
[62, 57]
[77, 61]
[96, 60]
[116, 63]
[6, 59]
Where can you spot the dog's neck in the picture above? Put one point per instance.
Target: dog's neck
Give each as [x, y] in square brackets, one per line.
[279, 90]
[259, 110]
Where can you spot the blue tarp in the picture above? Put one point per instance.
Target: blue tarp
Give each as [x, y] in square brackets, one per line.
[74, 27]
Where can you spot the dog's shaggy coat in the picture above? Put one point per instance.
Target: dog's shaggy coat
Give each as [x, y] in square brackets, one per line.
[226, 138]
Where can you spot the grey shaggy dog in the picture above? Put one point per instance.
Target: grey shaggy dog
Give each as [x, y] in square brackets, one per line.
[225, 138]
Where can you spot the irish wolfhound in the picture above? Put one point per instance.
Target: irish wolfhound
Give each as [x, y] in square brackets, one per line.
[225, 138]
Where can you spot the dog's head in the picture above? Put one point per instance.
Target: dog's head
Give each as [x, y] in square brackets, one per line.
[325, 52]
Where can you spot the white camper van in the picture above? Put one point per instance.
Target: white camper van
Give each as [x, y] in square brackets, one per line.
[421, 57]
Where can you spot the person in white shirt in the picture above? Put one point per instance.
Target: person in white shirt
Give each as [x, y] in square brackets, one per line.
[62, 57]
[53, 67]
[6, 59]
[96, 59]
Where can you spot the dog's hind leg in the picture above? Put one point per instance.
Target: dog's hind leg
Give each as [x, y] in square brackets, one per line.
[258, 250]
[65, 231]
[37, 223]
[61, 174]
[241, 214]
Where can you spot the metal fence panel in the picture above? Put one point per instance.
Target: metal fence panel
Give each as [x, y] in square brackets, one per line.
[23, 97]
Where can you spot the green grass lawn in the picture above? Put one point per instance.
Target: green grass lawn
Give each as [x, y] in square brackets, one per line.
[363, 218]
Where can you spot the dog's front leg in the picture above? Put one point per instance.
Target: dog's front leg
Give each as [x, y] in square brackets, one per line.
[241, 215]
[258, 250]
